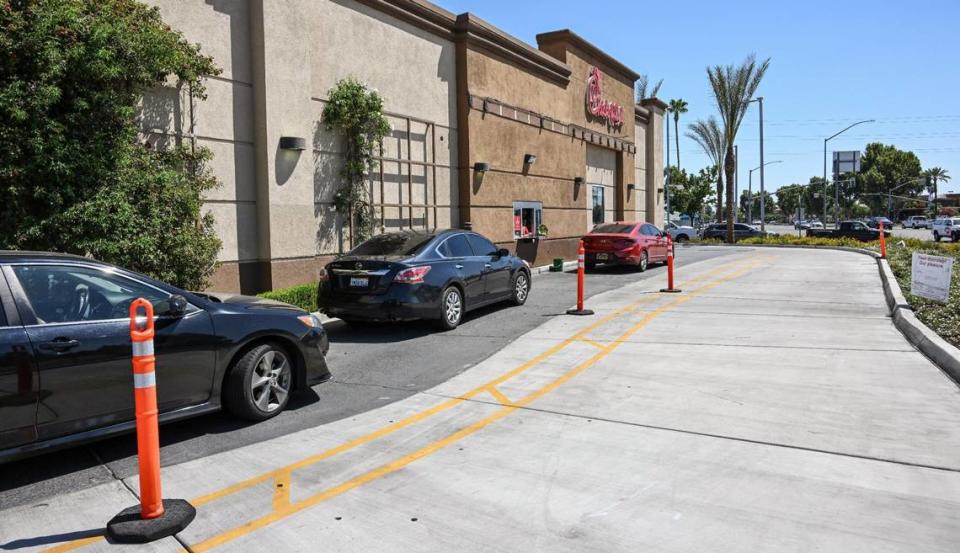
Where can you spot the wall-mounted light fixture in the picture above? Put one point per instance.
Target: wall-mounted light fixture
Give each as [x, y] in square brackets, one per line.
[529, 159]
[578, 181]
[481, 167]
[631, 186]
[293, 143]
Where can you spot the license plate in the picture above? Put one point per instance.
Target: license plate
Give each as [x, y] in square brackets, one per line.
[359, 282]
[602, 257]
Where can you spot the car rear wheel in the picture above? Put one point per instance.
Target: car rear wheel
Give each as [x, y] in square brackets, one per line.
[521, 288]
[259, 383]
[936, 236]
[451, 308]
[682, 238]
[644, 261]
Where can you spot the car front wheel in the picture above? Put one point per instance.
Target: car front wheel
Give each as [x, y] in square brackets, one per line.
[936, 236]
[521, 288]
[259, 383]
[451, 308]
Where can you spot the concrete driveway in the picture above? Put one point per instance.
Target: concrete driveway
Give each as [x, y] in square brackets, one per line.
[771, 406]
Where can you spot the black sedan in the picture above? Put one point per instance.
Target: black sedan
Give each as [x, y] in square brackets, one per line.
[740, 231]
[65, 351]
[421, 275]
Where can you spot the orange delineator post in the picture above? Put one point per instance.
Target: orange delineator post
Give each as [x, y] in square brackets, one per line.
[581, 252]
[670, 287]
[145, 396]
[883, 242]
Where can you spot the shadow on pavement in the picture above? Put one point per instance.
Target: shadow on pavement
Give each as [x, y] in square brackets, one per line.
[50, 539]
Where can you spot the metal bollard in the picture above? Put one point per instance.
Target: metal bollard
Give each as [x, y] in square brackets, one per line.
[883, 243]
[580, 276]
[670, 289]
[155, 517]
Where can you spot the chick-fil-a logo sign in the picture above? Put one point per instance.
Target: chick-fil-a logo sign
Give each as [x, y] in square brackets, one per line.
[597, 105]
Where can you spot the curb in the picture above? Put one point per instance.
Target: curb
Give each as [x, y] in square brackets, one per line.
[942, 353]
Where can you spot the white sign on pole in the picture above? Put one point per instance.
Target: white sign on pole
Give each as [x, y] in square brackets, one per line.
[931, 277]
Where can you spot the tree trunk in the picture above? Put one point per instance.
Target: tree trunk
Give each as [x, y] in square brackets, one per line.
[729, 167]
[676, 127]
[719, 196]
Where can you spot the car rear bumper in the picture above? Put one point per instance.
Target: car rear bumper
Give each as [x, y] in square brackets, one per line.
[399, 303]
[613, 257]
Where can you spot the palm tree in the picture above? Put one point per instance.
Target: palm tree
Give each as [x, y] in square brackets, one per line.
[643, 83]
[677, 107]
[733, 87]
[710, 138]
[936, 174]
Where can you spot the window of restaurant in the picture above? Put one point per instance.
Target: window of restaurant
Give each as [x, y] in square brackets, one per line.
[527, 218]
[598, 204]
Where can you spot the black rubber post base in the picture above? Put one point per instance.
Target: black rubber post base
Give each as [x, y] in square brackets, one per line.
[128, 527]
[579, 312]
[671, 290]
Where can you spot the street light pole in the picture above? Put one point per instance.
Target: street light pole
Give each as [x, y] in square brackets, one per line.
[835, 189]
[750, 194]
[763, 199]
[666, 184]
[736, 176]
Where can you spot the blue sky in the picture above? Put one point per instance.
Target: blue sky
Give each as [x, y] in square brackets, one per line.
[832, 64]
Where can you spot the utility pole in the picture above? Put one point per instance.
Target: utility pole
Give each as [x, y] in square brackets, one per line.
[666, 181]
[763, 199]
[825, 140]
[736, 178]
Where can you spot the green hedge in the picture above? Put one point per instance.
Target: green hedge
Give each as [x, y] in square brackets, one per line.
[303, 296]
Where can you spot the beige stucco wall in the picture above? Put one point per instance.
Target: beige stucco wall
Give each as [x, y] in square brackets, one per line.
[654, 167]
[640, 172]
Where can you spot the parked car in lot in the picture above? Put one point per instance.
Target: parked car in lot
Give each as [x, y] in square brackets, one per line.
[849, 229]
[801, 224]
[916, 221]
[740, 231]
[65, 351]
[680, 233]
[946, 227]
[624, 243]
[409, 275]
[874, 222]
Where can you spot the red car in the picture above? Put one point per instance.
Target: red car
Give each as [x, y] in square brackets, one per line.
[625, 243]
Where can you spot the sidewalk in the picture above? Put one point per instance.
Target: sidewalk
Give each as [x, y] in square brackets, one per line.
[772, 406]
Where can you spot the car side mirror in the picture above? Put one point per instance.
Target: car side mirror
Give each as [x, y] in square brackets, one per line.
[174, 306]
[503, 252]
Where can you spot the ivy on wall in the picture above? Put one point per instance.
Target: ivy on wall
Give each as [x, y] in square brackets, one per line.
[356, 113]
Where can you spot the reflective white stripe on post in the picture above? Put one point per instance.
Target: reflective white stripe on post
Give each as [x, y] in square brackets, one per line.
[144, 380]
[142, 348]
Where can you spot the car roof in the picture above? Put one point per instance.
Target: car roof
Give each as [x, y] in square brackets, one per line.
[27, 255]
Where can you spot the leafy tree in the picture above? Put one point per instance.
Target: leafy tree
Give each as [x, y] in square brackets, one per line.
[690, 194]
[677, 106]
[747, 212]
[73, 176]
[888, 170]
[733, 87]
[935, 175]
[709, 137]
[643, 88]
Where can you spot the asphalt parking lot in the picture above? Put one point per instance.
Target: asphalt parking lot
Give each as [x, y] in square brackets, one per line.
[373, 366]
[897, 231]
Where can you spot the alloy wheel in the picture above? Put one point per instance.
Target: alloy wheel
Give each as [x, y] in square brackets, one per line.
[522, 288]
[452, 306]
[270, 382]
[643, 261]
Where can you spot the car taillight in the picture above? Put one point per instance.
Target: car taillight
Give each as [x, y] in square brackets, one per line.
[413, 275]
[623, 244]
[324, 275]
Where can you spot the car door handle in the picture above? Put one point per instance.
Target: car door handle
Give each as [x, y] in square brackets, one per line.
[486, 265]
[59, 345]
[458, 266]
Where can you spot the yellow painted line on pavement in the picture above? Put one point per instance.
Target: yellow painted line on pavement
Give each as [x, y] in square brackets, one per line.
[597, 345]
[499, 396]
[401, 462]
[281, 490]
[276, 474]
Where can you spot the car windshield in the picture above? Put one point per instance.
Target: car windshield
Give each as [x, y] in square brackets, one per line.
[613, 229]
[394, 243]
